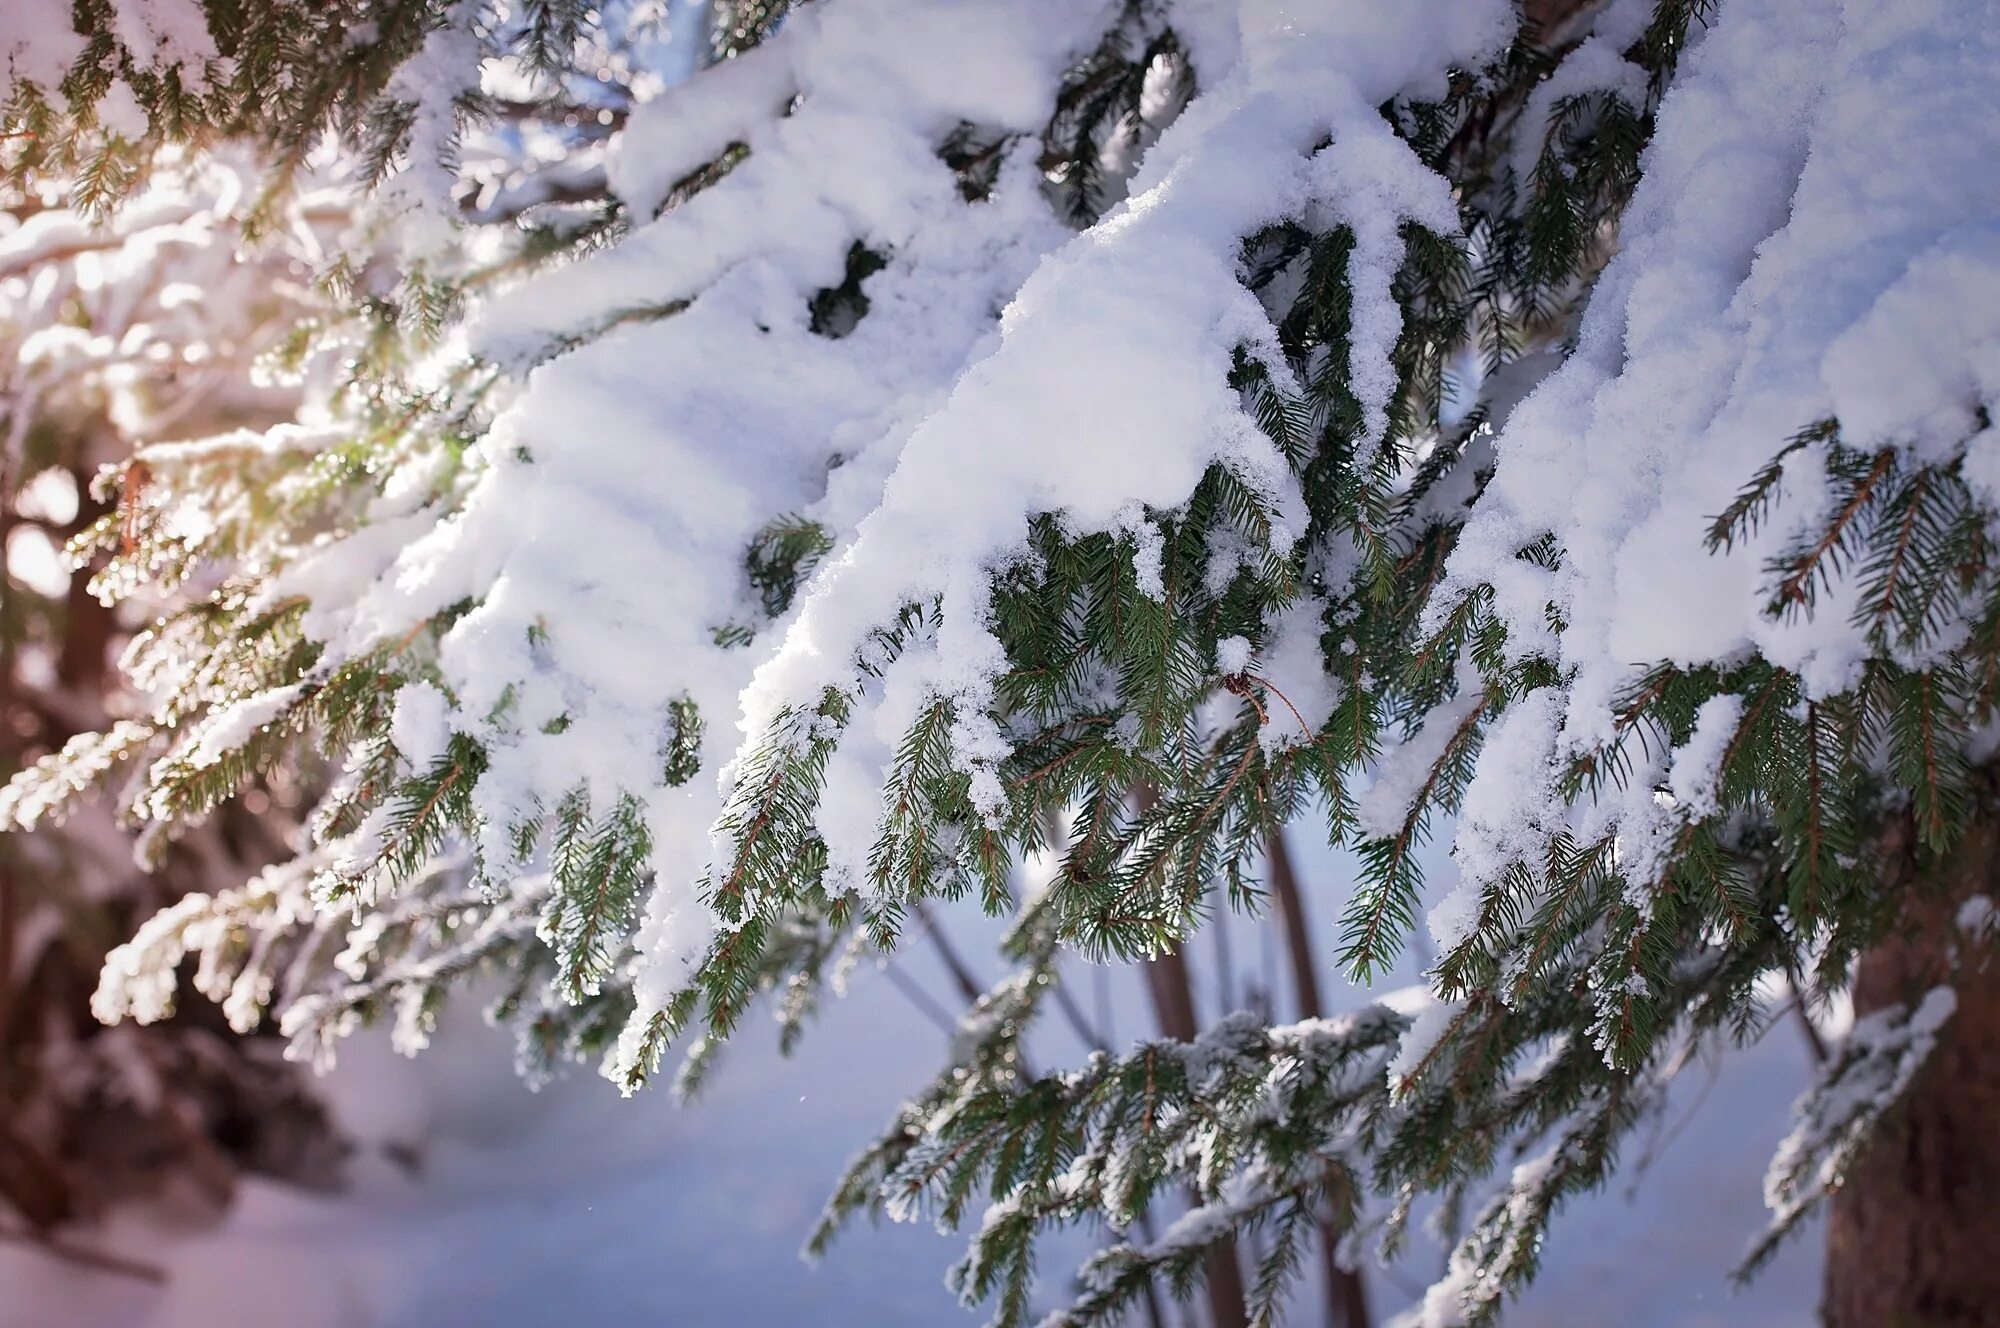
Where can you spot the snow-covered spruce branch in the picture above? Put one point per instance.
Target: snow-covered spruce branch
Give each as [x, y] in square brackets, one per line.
[1257, 1118]
[1273, 1127]
[1165, 415]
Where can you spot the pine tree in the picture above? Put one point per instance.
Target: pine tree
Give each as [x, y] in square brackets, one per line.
[1563, 426]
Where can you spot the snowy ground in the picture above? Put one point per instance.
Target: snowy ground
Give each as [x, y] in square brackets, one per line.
[572, 1205]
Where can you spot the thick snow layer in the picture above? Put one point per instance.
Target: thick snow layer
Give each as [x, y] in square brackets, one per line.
[39, 44]
[1107, 386]
[1813, 238]
[1800, 186]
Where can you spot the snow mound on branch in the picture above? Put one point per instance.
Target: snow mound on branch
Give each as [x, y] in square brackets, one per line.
[1108, 386]
[1813, 237]
[39, 44]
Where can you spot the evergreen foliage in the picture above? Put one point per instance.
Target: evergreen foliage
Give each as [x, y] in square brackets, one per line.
[1299, 634]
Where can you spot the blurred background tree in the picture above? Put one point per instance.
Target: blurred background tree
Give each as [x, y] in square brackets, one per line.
[139, 327]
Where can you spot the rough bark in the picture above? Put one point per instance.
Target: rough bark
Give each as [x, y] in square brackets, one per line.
[1914, 1235]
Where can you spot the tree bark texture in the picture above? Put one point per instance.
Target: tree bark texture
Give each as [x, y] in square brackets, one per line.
[1914, 1235]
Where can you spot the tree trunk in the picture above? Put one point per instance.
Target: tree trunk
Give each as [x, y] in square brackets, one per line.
[1914, 1236]
[1173, 1005]
[1347, 1295]
[83, 661]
